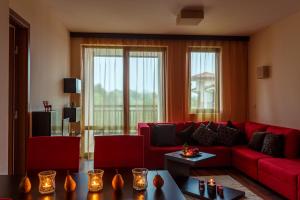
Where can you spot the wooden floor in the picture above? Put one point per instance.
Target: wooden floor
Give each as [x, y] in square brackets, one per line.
[254, 186]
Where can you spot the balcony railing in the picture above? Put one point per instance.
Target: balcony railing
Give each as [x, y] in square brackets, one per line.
[110, 118]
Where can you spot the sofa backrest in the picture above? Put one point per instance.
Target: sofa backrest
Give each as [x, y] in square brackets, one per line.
[252, 127]
[292, 140]
[119, 151]
[292, 136]
[53, 152]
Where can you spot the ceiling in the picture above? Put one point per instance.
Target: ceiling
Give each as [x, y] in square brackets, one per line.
[221, 17]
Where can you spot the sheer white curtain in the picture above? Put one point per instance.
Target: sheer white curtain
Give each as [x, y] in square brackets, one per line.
[146, 83]
[103, 92]
[204, 82]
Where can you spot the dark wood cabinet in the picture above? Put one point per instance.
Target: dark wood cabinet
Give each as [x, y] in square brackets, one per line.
[46, 123]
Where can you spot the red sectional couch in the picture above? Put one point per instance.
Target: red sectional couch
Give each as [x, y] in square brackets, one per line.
[280, 174]
[119, 151]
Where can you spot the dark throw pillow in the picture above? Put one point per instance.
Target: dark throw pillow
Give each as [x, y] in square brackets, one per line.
[273, 145]
[185, 136]
[205, 136]
[228, 136]
[257, 141]
[242, 135]
[213, 126]
[163, 135]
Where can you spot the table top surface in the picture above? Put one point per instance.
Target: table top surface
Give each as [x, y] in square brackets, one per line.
[190, 186]
[176, 156]
[9, 188]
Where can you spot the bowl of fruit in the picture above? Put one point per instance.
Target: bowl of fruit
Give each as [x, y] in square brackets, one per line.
[190, 152]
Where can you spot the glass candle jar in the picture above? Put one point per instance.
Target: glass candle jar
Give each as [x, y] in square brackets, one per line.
[47, 182]
[140, 178]
[95, 182]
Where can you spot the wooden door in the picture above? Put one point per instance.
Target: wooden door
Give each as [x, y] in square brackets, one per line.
[18, 94]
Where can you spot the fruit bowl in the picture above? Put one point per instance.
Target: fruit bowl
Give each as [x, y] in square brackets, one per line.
[190, 152]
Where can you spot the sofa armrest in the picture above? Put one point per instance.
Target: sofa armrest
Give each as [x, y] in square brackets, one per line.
[144, 130]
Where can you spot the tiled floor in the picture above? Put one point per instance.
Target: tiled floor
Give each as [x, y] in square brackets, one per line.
[254, 186]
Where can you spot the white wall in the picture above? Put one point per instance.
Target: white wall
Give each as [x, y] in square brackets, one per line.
[50, 49]
[276, 100]
[50, 53]
[4, 73]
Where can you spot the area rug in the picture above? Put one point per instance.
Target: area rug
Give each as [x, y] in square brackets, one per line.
[228, 181]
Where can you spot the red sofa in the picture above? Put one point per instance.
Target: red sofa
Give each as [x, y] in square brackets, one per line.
[119, 151]
[280, 174]
[53, 152]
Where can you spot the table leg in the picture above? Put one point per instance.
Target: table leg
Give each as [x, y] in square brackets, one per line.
[177, 169]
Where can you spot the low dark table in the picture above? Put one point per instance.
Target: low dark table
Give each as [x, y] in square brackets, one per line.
[179, 167]
[170, 190]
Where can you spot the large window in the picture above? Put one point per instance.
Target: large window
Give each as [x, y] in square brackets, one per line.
[123, 86]
[204, 80]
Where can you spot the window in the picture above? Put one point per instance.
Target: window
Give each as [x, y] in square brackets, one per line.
[204, 80]
[123, 86]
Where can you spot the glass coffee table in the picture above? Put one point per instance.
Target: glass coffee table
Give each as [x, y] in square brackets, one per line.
[179, 167]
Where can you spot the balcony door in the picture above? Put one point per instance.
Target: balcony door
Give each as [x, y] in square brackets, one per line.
[123, 86]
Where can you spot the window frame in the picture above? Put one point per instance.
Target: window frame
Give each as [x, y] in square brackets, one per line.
[126, 78]
[216, 50]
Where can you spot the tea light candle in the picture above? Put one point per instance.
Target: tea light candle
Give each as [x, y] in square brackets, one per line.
[95, 182]
[211, 182]
[47, 182]
[211, 187]
[140, 178]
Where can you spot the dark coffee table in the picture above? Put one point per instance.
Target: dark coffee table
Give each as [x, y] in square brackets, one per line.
[9, 188]
[180, 166]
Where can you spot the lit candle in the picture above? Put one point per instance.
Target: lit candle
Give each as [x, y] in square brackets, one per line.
[140, 178]
[47, 182]
[211, 182]
[140, 181]
[95, 183]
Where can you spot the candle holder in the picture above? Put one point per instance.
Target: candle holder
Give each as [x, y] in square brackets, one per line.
[220, 191]
[47, 182]
[211, 188]
[140, 178]
[95, 182]
[202, 187]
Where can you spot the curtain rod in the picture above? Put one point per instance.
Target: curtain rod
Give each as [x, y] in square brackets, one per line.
[156, 36]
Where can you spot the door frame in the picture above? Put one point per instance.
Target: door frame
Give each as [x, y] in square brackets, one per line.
[16, 20]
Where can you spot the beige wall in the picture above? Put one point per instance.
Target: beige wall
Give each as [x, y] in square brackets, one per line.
[4, 86]
[49, 47]
[276, 100]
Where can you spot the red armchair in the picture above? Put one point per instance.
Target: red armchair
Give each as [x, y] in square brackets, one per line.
[121, 151]
[59, 153]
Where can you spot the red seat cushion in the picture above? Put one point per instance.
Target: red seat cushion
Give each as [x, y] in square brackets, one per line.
[121, 151]
[292, 140]
[60, 153]
[154, 156]
[281, 175]
[252, 127]
[246, 160]
[222, 159]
